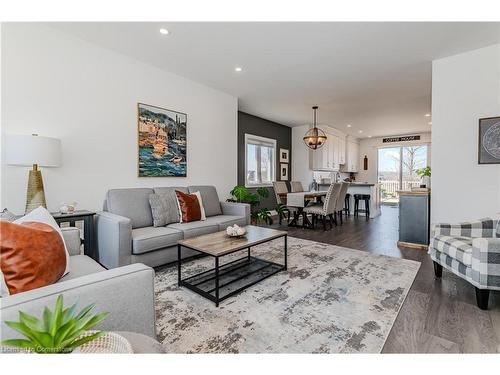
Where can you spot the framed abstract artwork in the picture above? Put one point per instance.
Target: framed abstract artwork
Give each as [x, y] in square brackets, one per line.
[284, 155]
[489, 141]
[162, 142]
[284, 172]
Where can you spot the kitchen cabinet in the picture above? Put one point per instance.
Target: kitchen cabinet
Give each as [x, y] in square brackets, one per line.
[352, 156]
[342, 150]
[331, 156]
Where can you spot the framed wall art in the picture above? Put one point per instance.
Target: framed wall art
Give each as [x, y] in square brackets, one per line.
[162, 142]
[489, 141]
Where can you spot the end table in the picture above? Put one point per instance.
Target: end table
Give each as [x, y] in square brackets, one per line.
[88, 228]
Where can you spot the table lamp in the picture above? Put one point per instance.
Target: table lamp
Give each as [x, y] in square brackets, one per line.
[32, 150]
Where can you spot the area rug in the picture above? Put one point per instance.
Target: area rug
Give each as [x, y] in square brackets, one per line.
[330, 300]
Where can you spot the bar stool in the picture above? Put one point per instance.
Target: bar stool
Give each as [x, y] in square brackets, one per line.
[366, 199]
[347, 204]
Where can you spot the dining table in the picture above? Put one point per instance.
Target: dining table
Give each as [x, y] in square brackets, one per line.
[299, 200]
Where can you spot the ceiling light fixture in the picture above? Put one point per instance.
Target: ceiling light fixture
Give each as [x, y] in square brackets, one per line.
[315, 137]
[369, 136]
[238, 69]
[427, 115]
[360, 131]
[164, 31]
[349, 125]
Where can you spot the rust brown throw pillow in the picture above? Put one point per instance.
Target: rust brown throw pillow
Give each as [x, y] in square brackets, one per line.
[189, 206]
[32, 255]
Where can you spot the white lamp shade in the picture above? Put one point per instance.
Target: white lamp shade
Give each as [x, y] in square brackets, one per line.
[26, 150]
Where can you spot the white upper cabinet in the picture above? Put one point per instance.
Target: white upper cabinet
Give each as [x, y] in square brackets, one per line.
[352, 156]
[333, 153]
[342, 150]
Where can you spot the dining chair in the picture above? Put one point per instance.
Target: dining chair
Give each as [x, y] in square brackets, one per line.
[327, 208]
[339, 206]
[281, 188]
[296, 186]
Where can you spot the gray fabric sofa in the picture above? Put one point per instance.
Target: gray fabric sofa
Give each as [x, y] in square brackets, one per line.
[126, 293]
[125, 231]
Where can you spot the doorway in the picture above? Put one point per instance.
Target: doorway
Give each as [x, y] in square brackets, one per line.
[397, 169]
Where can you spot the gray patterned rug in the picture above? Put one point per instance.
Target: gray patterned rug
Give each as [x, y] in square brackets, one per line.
[331, 300]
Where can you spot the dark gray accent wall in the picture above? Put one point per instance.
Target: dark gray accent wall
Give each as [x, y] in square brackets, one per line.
[249, 124]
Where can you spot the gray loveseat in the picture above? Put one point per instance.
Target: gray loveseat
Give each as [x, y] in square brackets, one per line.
[125, 231]
[126, 293]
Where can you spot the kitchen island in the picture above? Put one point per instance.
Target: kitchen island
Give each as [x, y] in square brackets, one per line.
[362, 188]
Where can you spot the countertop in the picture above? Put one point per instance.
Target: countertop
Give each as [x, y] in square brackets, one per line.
[415, 192]
[353, 183]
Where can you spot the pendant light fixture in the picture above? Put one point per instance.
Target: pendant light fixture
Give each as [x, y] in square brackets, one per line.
[315, 137]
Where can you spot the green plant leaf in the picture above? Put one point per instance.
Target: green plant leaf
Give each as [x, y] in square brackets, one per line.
[24, 330]
[45, 339]
[47, 318]
[96, 319]
[30, 321]
[240, 193]
[86, 339]
[57, 316]
[68, 313]
[19, 343]
[84, 311]
[263, 192]
[64, 332]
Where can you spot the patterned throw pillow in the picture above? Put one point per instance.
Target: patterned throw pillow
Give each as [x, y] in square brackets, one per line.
[164, 208]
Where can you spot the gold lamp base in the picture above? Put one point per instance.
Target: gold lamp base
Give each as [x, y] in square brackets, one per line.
[35, 196]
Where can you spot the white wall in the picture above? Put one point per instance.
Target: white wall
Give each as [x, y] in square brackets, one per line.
[465, 88]
[300, 157]
[59, 86]
[370, 146]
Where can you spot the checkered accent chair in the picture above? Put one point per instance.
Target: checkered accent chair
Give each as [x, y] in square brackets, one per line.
[471, 251]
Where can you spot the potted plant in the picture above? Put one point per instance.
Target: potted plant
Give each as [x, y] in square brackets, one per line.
[241, 194]
[425, 175]
[59, 331]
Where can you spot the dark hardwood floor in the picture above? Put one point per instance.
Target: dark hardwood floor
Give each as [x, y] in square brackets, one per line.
[438, 315]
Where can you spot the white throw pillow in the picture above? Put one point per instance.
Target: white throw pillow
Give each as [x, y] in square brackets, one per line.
[202, 209]
[41, 215]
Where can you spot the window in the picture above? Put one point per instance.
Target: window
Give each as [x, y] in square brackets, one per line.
[260, 160]
[397, 169]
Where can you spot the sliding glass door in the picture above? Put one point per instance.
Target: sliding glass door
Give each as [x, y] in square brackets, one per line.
[397, 167]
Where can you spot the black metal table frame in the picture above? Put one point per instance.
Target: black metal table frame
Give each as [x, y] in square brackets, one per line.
[217, 299]
[300, 212]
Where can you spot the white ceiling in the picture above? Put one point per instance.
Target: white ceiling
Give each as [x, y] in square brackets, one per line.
[375, 76]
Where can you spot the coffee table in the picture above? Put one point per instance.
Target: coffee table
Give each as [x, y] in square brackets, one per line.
[226, 280]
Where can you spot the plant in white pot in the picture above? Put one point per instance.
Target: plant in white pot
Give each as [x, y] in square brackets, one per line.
[425, 175]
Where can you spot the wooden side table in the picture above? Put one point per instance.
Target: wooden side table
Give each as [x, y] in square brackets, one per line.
[88, 228]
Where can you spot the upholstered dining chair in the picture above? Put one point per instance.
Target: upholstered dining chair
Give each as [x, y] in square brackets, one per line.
[327, 208]
[281, 188]
[296, 186]
[339, 206]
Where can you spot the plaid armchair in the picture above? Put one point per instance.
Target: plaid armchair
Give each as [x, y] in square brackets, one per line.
[471, 251]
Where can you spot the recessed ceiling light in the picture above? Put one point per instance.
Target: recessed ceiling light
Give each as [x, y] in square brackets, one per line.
[164, 31]
[430, 123]
[369, 136]
[349, 125]
[360, 131]
[238, 69]
[427, 115]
